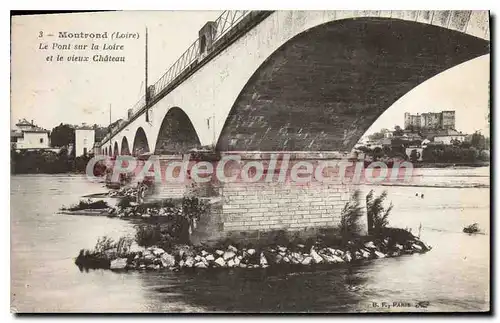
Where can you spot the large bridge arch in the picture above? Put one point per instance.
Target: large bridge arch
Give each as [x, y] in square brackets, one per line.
[140, 143]
[125, 148]
[176, 133]
[323, 88]
[116, 150]
[208, 90]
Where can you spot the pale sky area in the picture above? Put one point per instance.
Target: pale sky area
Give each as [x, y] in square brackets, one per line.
[53, 92]
[463, 88]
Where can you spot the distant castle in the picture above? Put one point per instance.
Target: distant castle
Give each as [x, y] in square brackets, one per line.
[443, 120]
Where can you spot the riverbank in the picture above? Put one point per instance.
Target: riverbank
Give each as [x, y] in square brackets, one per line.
[449, 165]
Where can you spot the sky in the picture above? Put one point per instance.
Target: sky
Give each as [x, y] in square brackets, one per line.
[55, 92]
[51, 93]
[463, 88]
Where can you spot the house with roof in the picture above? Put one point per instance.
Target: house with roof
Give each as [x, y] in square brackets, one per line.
[27, 135]
[84, 140]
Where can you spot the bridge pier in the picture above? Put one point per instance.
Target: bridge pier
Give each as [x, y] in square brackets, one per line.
[259, 210]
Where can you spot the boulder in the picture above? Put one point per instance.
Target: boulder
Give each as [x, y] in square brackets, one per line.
[379, 254]
[307, 260]
[146, 215]
[118, 264]
[316, 257]
[417, 247]
[220, 262]
[297, 258]
[336, 259]
[232, 248]
[167, 260]
[365, 254]
[263, 260]
[339, 253]
[157, 251]
[200, 265]
[331, 250]
[181, 263]
[210, 257]
[197, 258]
[134, 247]
[204, 253]
[282, 249]
[242, 265]
[149, 256]
[231, 263]
[326, 257]
[219, 252]
[398, 246]
[370, 245]
[236, 261]
[251, 251]
[347, 257]
[189, 262]
[228, 255]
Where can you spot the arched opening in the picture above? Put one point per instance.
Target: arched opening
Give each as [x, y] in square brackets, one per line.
[141, 145]
[110, 152]
[125, 150]
[177, 134]
[116, 152]
[106, 151]
[324, 88]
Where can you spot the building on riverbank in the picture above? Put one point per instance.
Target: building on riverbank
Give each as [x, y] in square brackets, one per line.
[84, 140]
[27, 135]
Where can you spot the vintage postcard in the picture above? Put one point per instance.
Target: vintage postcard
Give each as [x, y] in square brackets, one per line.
[250, 162]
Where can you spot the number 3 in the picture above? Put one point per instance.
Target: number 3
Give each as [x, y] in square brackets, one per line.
[40, 35]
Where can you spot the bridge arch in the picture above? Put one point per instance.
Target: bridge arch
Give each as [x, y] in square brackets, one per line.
[141, 145]
[323, 88]
[176, 134]
[125, 150]
[116, 151]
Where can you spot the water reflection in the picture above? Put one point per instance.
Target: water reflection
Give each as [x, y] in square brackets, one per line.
[258, 290]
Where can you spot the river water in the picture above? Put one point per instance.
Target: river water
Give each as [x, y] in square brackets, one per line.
[453, 276]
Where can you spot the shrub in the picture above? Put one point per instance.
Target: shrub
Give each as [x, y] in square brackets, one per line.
[349, 221]
[378, 215]
[473, 228]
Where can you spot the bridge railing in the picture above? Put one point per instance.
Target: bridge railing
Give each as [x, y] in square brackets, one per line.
[223, 23]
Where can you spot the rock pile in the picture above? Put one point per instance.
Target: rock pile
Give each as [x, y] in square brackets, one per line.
[135, 211]
[154, 258]
[130, 192]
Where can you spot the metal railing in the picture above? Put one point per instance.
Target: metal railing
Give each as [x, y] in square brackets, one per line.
[223, 24]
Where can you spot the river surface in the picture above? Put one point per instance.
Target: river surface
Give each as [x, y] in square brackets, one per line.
[453, 276]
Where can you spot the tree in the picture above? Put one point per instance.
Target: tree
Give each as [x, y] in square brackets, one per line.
[378, 215]
[62, 136]
[414, 156]
[378, 135]
[397, 131]
[478, 140]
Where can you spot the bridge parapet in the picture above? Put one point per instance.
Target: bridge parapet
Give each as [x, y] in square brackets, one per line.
[182, 66]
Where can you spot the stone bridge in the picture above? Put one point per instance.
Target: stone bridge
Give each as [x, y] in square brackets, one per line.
[297, 80]
[306, 82]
